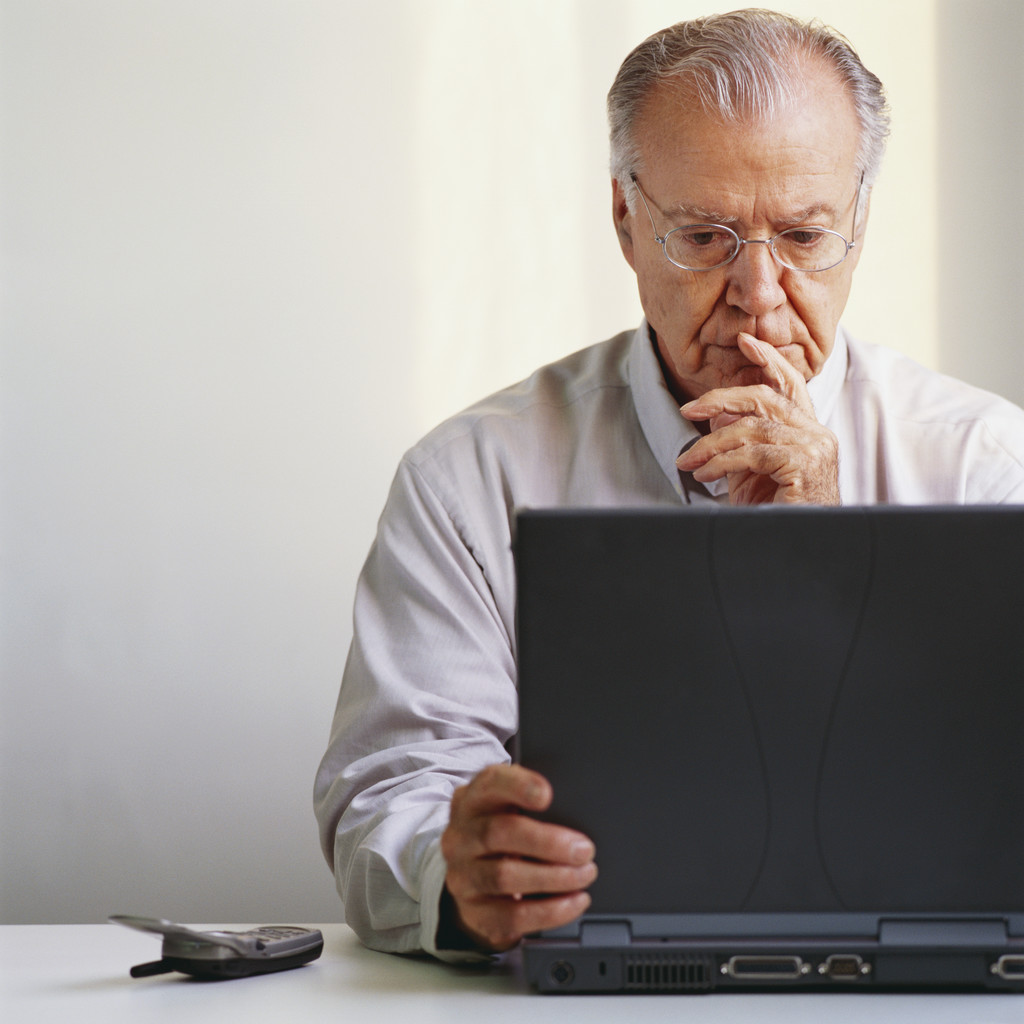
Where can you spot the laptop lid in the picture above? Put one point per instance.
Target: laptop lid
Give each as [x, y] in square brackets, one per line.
[780, 722]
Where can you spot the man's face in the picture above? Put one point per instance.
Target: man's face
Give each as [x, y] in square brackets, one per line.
[797, 169]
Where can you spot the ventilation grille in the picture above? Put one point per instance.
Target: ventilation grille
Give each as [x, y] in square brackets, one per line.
[667, 972]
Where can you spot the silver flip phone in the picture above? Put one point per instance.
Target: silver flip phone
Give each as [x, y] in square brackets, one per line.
[218, 955]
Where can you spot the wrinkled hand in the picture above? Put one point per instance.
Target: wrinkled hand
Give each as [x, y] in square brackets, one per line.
[497, 856]
[765, 438]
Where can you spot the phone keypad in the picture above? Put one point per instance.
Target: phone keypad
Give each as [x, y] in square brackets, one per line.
[278, 932]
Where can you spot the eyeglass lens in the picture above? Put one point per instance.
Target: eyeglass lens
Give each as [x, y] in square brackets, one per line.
[704, 246]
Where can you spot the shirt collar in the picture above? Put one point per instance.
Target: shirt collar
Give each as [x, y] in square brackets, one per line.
[824, 389]
[666, 431]
[668, 434]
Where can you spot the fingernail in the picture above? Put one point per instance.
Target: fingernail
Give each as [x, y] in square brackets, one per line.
[757, 343]
[582, 850]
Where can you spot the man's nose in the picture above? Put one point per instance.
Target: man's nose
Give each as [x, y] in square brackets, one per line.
[755, 279]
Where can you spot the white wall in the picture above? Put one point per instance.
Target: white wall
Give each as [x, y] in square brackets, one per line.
[249, 251]
[981, 202]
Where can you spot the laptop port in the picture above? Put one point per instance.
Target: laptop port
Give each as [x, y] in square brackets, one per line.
[844, 967]
[1009, 967]
[561, 973]
[765, 968]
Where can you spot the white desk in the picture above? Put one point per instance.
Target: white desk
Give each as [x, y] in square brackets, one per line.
[79, 973]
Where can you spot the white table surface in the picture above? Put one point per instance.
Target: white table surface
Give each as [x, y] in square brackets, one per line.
[79, 973]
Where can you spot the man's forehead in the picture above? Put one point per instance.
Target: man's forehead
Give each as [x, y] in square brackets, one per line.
[798, 165]
[780, 210]
[820, 120]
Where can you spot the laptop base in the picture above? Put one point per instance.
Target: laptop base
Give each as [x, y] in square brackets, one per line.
[693, 966]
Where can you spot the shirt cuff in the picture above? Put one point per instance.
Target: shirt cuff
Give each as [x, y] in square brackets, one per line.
[432, 881]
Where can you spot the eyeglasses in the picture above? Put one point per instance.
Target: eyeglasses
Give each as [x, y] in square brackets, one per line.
[710, 246]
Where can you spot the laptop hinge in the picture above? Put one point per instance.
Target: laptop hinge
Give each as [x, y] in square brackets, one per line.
[605, 933]
[943, 932]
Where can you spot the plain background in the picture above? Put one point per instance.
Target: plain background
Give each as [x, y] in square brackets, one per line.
[250, 250]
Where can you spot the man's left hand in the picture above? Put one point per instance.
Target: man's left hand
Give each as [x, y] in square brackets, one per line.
[765, 438]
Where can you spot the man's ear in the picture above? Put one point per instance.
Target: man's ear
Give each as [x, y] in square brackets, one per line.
[623, 221]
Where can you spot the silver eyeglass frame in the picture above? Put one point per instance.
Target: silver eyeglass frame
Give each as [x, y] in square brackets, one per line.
[740, 242]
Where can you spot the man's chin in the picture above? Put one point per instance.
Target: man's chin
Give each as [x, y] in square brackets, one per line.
[737, 372]
[747, 377]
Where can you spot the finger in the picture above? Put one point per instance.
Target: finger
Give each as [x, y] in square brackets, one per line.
[808, 447]
[504, 786]
[724, 419]
[787, 400]
[497, 834]
[498, 924]
[739, 433]
[798, 480]
[765, 460]
[512, 876]
[730, 404]
[486, 821]
[780, 374]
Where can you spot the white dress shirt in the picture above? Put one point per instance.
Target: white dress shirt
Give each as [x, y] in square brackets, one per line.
[429, 692]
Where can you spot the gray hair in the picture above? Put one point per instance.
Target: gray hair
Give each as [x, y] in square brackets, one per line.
[744, 66]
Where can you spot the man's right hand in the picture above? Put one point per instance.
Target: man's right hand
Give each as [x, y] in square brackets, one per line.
[497, 856]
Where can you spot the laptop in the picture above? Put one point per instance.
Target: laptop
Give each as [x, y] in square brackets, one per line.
[796, 737]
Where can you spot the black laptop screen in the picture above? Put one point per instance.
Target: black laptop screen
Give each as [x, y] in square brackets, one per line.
[780, 709]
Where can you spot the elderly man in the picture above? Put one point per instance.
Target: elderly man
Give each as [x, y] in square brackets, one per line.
[744, 148]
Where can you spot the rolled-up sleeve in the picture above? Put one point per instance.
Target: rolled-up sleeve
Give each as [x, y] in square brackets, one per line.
[427, 700]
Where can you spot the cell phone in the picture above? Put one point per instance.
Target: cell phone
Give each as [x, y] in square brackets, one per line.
[218, 955]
